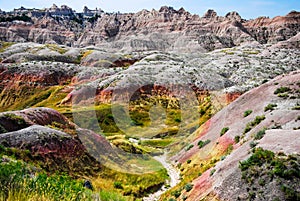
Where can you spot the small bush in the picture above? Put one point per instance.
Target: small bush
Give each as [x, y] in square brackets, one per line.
[176, 193]
[2, 129]
[189, 147]
[203, 143]
[297, 107]
[282, 90]
[270, 107]
[285, 95]
[261, 182]
[224, 130]
[247, 113]
[188, 187]
[188, 161]
[118, 185]
[253, 144]
[255, 122]
[212, 172]
[260, 134]
[237, 139]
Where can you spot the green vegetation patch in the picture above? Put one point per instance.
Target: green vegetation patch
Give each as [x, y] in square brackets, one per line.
[281, 90]
[260, 134]
[5, 45]
[265, 168]
[56, 48]
[270, 107]
[202, 144]
[247, 113]
[16, 179]
[157, 143]
[224, 130]
[255, 122]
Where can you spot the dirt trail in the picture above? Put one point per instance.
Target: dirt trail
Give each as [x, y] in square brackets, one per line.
[174, 178]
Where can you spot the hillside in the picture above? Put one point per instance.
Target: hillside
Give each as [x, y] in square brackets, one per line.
[265, 117]
[154, 105]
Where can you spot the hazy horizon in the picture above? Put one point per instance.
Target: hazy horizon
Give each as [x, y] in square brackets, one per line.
[247, 9]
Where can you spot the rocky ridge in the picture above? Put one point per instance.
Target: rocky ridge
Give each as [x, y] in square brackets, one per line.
[165, 29]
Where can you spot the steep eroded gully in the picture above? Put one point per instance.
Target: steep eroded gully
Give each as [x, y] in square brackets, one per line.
[174, 178]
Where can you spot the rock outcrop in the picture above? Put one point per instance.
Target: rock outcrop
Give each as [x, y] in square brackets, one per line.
[163, 29]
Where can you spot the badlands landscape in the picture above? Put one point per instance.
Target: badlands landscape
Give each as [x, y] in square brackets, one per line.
[154, 105]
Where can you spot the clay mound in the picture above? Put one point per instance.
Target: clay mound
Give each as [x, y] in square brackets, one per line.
[52, 140]
[16, 120]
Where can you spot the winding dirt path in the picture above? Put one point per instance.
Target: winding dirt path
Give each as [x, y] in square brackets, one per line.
[173, 175]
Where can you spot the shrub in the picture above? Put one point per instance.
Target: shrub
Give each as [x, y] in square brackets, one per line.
[118, 185]
[188, 161]
[285, 95]
[297, 107]
[237, 139]
[212, 172]
[2, 129]
[253, 144]
[184, 197]
[260, 134]
[189, 147]
[224, 130]
[229, 149]
[247, 113]
[259, 157]
[203, 143]
[282, 90]
[270, 107]
[255, 122]
[290, 193]
[176, 193]
[188, 187]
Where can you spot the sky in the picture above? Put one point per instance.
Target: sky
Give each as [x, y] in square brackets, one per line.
[248, 9]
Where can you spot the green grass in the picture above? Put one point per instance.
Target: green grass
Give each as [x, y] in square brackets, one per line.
[157, 143]
[26, 96]
[15, 178]
[111, 196]
[68, 188]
